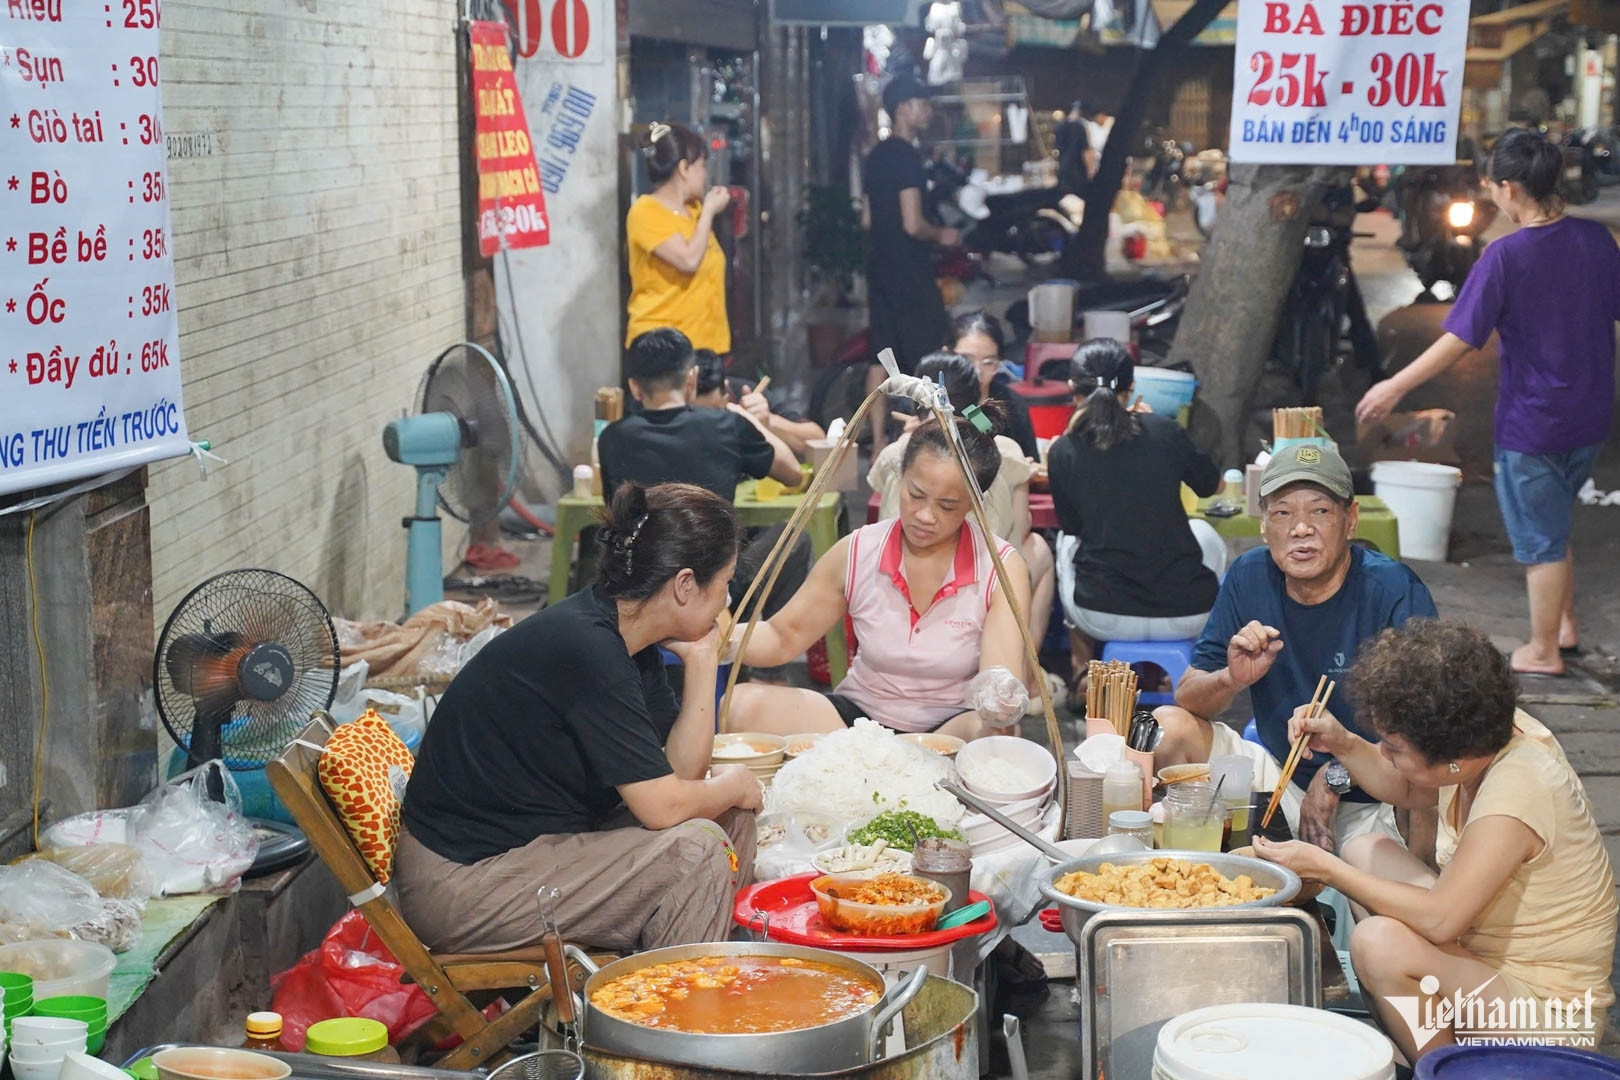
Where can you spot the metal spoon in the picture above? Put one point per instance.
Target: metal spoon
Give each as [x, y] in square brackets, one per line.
[1015, 1047]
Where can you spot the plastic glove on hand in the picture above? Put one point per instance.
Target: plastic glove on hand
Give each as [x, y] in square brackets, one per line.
[998, 696]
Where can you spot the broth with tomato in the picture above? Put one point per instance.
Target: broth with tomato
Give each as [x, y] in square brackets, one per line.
[737, 995]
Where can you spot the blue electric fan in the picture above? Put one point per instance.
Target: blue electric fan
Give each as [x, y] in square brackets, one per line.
[463, 443]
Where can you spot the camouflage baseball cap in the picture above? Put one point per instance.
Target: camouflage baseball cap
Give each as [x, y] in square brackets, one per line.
[1307, 463]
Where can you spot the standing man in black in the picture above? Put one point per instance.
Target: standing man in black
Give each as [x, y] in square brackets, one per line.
[908, 313]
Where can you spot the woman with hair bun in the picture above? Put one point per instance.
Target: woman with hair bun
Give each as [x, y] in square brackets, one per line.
[940, 648]
[677, 270]
[1551, 291]
[559, 755]
[1131, 566]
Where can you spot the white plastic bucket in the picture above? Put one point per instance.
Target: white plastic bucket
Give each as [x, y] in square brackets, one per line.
[1165, 392]
[1228, 1042]
[1422, 497]
[1051, 310]
[1109, 324]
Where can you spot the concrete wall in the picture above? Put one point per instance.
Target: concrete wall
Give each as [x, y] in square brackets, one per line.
[314, 181]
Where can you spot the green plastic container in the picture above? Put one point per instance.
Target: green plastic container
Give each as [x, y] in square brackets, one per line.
[73, 1007]
[144, 1069]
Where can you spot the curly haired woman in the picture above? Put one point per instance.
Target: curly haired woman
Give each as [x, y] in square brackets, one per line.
[1522, 914]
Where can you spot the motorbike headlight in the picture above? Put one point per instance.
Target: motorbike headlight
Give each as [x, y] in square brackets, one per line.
[1461, 215]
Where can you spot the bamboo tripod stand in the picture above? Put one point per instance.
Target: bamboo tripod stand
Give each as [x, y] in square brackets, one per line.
[754, 599]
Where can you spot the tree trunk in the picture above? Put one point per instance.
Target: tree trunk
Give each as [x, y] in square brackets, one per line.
[1232, 314]
[1084, 258]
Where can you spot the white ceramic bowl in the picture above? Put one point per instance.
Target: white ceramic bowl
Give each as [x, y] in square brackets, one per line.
[85, 1067]
[26, 1070]
[1000, 802]
[1031, 759]
[40, 1055]
[46, 1030]
[213, 1063]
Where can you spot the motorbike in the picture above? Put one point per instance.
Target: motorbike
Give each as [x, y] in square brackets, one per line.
[1166, 178]
[1032, 224]
[1582, 167]
[1324, 300]
[1443, 223]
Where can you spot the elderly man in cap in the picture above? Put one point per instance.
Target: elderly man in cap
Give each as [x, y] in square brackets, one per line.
[907, 312]
[1288, 614]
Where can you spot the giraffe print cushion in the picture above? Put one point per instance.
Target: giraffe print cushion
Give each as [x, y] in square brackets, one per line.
[359, 770]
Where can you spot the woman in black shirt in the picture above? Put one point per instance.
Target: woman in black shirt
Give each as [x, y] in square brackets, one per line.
[1131, 566]
[978, 336]
[559, 756]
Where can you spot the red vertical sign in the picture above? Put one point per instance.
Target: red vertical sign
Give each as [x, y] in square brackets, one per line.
[511, 206]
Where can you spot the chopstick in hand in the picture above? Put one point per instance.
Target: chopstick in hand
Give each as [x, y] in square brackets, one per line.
[1318, 706]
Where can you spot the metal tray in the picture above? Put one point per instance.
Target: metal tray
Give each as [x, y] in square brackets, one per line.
[1139, 969]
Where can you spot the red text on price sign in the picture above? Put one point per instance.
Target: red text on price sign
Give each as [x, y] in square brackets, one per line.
[511, 204]
[1321, 81]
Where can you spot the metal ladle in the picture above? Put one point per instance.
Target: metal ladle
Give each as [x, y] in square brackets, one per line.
[1053, 853]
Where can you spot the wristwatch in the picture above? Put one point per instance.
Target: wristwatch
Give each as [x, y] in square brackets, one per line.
[1337, 778]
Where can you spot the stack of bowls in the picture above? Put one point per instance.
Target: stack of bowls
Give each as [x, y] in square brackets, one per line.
[39, 1044]
[763, 754]
[16, 997]
[92, 1010]
[983, 765]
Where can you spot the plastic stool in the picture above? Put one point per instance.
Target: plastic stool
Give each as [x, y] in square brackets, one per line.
[1251, 732]
[1175, 657]
[671, 660]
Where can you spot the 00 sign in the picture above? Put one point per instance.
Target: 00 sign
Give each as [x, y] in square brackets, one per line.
[566, 23]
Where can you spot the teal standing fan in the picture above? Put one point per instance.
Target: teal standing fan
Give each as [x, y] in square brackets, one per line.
[463, 443]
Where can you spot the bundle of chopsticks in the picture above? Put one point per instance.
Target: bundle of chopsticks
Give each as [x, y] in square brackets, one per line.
[1296, 423]
[1319, 700]
[1111, 693]
[609, 403]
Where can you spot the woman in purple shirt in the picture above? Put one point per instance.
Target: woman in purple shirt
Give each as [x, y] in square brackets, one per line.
[1552, 291]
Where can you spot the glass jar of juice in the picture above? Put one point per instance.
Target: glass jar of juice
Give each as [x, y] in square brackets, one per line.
[1194, 820]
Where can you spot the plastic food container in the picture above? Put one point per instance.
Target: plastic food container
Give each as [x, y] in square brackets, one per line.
[60, 967]
[352, 1037]
[875, 920]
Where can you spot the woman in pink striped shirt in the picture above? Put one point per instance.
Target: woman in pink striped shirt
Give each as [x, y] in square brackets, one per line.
[939, 646]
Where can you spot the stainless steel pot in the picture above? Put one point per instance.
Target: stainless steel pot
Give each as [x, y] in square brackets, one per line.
[1074, 911]
[843, 1044]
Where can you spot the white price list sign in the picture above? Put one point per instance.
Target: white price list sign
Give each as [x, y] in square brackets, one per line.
[89, 342]
[1323, 82]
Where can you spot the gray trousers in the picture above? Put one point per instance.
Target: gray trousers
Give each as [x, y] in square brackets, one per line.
[622, 889]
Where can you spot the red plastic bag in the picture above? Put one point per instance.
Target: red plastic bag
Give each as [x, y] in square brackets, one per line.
[351, 974]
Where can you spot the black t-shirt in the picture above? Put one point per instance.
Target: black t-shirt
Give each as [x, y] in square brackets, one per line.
[537, 731]
[1072, 144]
[1137, 555]
[1019, 427]
[712, 448]
[893, 166]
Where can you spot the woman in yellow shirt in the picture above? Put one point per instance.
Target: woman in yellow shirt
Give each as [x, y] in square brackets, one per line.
[1521, 917]
[677, 270]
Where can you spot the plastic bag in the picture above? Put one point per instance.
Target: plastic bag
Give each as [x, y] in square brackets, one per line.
[39, 893]
[351, 974]
[116, 871]
[346, 703]
[96, 827]
[190, 842]
[476, 643]
[998, 696]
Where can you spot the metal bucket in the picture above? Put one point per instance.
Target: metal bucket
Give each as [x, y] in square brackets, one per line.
[854, 1041]
[940, 1032]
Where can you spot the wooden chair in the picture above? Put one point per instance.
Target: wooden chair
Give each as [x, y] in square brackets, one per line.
[447, 978]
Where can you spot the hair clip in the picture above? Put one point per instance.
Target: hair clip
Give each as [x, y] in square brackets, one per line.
[975, 416]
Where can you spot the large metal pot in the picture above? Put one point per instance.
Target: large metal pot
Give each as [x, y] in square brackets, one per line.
[844, 1044]
[1074, 911]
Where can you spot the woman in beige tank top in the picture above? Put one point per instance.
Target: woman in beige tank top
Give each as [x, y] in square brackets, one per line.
[1514, 936]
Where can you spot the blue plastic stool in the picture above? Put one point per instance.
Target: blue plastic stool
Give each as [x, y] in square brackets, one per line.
[1175, 657]
[671, 660]
[1251, 732]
